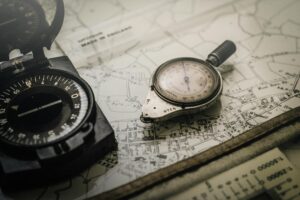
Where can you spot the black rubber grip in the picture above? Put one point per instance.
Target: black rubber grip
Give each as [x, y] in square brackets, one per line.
[221, 53]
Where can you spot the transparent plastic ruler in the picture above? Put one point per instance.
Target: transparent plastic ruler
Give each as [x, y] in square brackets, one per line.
[269, 176]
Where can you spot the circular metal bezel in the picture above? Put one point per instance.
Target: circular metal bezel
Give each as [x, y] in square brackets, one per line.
[81, 82]
[216, 93]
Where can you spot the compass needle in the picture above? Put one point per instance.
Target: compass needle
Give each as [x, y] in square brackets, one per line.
[39, 108]
[8, 22]
[186, 78]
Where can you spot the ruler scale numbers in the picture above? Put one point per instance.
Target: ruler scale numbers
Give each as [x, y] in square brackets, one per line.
[269, 176]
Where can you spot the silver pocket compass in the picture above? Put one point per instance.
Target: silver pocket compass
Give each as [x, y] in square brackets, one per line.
[186, 85]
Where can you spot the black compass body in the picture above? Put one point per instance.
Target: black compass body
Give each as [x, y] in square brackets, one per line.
[50, 125]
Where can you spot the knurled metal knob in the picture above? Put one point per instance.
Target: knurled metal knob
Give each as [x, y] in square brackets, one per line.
[221, 53]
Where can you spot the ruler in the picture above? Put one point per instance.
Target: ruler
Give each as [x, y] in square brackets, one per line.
[268, 176]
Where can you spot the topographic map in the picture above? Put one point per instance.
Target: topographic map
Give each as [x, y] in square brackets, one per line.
[118, 44]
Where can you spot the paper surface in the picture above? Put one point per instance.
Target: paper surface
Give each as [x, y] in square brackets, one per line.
[263, 84]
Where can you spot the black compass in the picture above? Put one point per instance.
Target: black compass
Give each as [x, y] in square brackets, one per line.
[50, 125]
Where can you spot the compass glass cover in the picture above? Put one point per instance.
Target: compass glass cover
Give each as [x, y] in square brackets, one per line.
[24, 23]
[186, 81]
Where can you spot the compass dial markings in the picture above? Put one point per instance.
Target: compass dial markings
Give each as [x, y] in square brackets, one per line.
[191, 81]
[76, 109]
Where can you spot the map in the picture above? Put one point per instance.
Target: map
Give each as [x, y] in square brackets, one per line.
[117, 53]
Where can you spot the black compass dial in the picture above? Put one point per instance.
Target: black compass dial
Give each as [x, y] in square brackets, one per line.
[43, 108]
[21, 22]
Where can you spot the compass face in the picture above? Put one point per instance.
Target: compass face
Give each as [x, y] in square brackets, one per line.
[21, 21]
[186, 81]
[43, 108]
